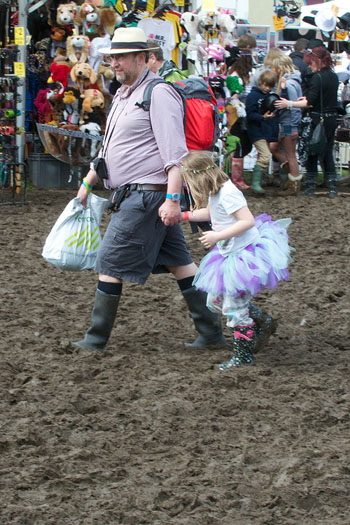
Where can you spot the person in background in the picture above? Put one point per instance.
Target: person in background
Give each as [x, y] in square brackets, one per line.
[241, 63]
[247, 254]
[271, 55]
[297, 56]
[166, 69]
[289, 121]
[262, 127]
[323, 90]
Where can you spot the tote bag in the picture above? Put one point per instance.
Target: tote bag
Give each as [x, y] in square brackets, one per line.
[73, 242]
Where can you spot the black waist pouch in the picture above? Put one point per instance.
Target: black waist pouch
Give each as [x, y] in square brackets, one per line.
[100, 167]
[117, 197]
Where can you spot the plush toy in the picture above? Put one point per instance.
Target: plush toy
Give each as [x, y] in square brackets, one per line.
[105, 75]
[64, 24]
[216, 53]
[59, 73]
[234, 84]
[98, 115]
[69, 147]
[54, 97]
[209, 20]
[227, 24]
[71, 101]
[93, 98]
[67, 15]
[77, 48]
[94, 130]
[190, 22]
[97, 21]
[43, 107]
[95, 57]
[83, 75]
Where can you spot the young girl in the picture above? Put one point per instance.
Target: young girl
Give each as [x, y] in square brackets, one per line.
[247, 256]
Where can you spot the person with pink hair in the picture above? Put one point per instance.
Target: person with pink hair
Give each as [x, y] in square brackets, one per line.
[322, 101]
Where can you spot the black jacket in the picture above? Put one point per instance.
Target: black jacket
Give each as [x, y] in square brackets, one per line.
[297, 58]
[328, 81]
[257, 126]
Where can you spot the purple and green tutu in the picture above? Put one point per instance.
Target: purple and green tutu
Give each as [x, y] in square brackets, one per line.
[259, 265]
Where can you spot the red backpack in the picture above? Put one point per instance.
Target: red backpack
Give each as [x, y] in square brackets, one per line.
[202, 117]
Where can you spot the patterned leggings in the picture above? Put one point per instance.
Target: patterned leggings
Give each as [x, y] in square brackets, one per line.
[235, 308]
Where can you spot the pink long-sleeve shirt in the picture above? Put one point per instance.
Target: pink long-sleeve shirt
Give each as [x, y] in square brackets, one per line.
[135, 151]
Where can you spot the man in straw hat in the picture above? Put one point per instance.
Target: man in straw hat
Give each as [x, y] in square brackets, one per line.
[143, 164]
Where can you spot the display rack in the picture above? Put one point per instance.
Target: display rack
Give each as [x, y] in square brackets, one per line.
[13, 180]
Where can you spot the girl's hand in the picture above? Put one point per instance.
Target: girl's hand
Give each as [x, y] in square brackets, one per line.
[281, 104]
[268, 114]
[209, 239]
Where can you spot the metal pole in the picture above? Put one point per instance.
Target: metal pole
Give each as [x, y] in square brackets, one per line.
[21, 90]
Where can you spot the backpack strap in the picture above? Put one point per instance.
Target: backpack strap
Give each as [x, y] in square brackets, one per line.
[147, 94]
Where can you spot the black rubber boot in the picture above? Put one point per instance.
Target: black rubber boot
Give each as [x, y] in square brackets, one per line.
[310, 184]
[244, 340]
[265, 327]
[102, 320]
[332, 185]
[207, 323]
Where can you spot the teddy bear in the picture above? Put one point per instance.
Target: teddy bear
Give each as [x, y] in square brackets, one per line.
[83, 75]
[105, 75]
[77, 47]
[96, 21]
[93, 98]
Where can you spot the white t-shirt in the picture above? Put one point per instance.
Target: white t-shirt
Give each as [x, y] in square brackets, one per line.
[227, 201]
[162, 32]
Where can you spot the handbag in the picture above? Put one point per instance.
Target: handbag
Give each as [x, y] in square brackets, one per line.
[318, 139]
[73, 242]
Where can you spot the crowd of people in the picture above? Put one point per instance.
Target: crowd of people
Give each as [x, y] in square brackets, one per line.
[273, 104]
[265, 108]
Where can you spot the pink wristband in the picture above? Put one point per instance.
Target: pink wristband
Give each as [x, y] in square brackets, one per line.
[186, 216]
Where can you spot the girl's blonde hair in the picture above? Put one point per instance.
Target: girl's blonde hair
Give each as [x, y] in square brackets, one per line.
[272, 54]
[283, 65]
[202, 176]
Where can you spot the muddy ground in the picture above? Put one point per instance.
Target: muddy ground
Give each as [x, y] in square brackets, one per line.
[151, 433]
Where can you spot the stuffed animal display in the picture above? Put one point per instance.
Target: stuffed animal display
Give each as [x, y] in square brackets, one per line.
[83, 75]
[77, 48]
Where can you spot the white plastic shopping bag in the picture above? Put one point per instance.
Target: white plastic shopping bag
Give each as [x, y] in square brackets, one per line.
[73, 242]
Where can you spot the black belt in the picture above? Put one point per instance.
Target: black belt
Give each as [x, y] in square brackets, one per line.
[121, 193]
[148, 187]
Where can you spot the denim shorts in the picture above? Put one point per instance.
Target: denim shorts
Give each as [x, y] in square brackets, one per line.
[137, 243]
[285, 130]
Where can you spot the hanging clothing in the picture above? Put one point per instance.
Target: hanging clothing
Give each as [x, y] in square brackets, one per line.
[162, 32]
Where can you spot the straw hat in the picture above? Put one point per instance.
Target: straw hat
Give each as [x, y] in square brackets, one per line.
[325, 20]
[127, 40]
